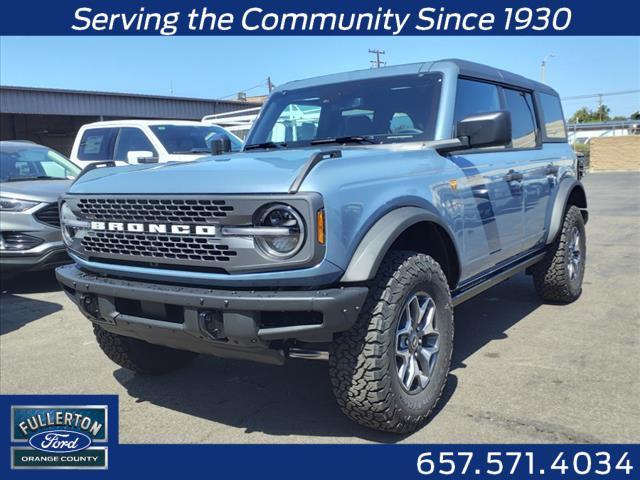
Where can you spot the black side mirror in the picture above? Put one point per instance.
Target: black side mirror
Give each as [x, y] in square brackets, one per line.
[491, 129]
[220, 144]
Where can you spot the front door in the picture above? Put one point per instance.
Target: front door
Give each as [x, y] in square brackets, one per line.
[492, 186]
[494, 202]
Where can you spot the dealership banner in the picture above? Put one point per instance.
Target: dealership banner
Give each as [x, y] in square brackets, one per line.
[319, 17]
[342, 217]
[76, 436]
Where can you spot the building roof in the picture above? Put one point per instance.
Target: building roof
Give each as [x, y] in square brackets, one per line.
[462, 67]
[47, 101]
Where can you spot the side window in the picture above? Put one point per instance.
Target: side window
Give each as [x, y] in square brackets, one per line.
[131, 139]
[97, 144]
[475, 97]
[523, 126]
[554, 127]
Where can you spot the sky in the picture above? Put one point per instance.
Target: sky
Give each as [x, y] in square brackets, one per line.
[217, 67]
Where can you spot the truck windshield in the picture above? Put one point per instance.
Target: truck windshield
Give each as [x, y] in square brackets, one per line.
[186, 139]
[380, 110]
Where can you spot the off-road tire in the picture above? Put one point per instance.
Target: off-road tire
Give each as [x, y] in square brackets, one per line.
[551, 275]
[139, 356]
[362, 361]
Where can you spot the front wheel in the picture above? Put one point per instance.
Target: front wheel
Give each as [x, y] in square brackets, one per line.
[388, 371]
[558, 276]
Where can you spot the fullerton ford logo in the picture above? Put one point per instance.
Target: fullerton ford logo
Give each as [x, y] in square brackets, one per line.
[60, 441]
[203, 230]
[58, 436]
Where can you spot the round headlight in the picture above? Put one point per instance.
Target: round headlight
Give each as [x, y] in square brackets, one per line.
[287, 236]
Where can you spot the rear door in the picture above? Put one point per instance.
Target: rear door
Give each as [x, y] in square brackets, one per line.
[531, 162]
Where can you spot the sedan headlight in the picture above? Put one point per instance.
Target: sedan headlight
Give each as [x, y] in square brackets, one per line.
[71, 225]
[8, 204]
[282, 230]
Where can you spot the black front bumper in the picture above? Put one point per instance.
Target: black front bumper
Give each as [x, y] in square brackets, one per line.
[231, 323]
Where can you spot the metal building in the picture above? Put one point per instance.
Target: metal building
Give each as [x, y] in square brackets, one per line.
[52, 117]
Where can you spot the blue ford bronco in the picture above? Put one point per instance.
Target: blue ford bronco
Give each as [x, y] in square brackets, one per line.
[363, 208]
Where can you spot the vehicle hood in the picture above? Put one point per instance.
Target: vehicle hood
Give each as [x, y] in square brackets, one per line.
[184, 157]
[47, 191]
[252, 172]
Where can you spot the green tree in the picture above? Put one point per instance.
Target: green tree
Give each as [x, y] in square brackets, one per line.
[635, 115]
[602, 113]
[582, 115]
[587, 115]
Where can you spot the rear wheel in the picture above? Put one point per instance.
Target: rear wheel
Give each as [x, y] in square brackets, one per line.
[140, 356]
[388, 371]
[558, 277]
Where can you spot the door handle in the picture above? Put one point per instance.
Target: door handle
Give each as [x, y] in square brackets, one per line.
[513, 176]
[552, 170]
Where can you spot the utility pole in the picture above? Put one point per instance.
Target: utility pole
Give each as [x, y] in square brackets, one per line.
[543, 67]
[377, 63]
[600, 106]
[269, 84]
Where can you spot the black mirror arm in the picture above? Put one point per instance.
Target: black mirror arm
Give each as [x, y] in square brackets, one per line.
[451, 145]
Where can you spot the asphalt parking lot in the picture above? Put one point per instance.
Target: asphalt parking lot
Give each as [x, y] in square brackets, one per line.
[522, 371]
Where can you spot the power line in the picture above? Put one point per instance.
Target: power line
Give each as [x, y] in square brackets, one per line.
[266, 82]
[600, 95]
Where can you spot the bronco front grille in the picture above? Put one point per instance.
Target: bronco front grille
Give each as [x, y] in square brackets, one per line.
[154, 210]
[185, 232]
[160, 247]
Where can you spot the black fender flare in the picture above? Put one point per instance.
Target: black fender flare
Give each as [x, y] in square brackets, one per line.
[378, 240]
[565, 189]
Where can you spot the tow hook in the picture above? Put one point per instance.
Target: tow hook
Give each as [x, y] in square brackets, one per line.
[211, 324]
[89, 305]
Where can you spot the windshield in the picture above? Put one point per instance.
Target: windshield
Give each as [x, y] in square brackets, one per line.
[183, 139]
[25, 162]
[380, 110]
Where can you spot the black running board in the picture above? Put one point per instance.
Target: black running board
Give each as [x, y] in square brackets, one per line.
[495, 277]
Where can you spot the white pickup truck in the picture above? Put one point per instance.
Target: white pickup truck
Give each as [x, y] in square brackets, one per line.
[145, 141]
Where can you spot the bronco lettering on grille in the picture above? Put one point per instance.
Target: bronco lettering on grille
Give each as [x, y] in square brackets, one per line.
[204, 230]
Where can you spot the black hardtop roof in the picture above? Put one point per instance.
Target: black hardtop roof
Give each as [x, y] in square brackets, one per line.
[485, 72]
[464, 68]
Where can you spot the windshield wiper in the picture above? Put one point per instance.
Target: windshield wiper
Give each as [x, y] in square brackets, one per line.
[346, 139]
[34, 177]
[253, 146]
[193, 150]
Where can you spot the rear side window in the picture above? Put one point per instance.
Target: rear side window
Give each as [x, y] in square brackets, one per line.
[132, 139]
[97, 144]
[554, 127]
[475, 97]
[523, 124]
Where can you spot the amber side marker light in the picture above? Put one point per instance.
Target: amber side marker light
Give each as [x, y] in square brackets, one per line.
[320, 226]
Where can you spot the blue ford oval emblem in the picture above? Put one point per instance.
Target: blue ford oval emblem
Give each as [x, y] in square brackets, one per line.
[60, 441]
